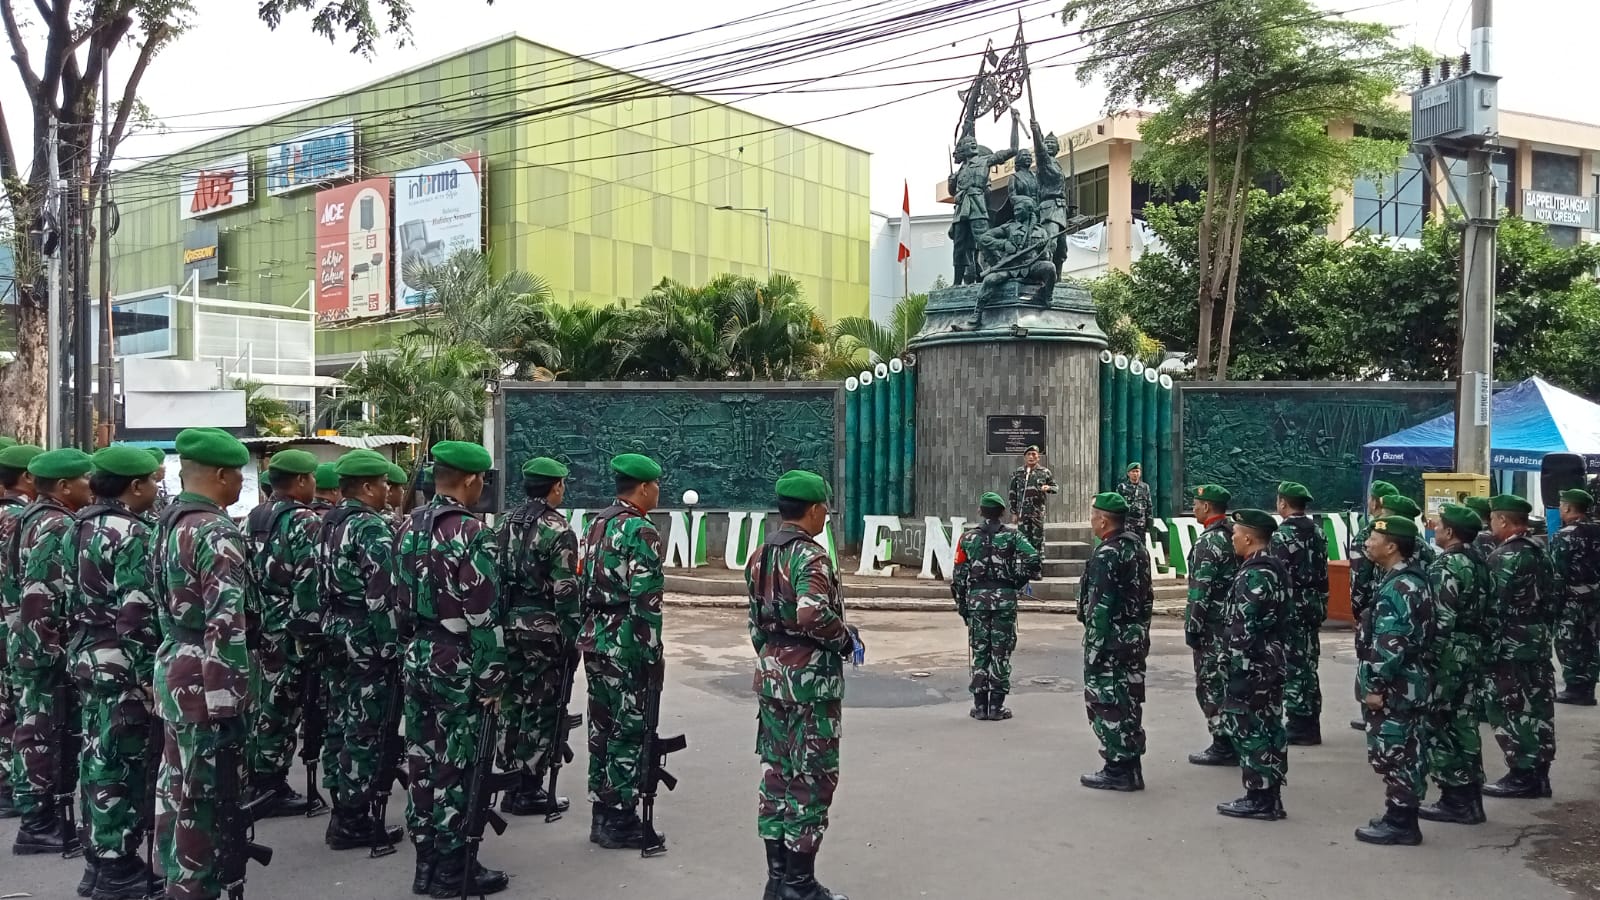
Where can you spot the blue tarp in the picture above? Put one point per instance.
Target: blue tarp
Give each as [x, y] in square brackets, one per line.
[1528, 420]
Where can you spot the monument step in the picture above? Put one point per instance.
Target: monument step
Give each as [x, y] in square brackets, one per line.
[1067, 549]
[1068, 531]
[1063, 568]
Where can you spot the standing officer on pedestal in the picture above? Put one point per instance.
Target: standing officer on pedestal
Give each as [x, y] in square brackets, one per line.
[993, 562]
[1303, 548]
[1029, 485]
[1211, 569]
[1115, 609]
[1575, 563]
[1257, 628]
[1137, 493]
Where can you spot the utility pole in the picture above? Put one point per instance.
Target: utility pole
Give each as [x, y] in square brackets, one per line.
[1474, 390]
[106, 370]
[55, 199]
[82, 306]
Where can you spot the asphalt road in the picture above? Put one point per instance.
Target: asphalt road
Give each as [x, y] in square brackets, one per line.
[933, 804]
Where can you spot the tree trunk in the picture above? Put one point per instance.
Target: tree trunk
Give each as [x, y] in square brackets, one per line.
[25, 381]
[1203, 255]
[1233, 288]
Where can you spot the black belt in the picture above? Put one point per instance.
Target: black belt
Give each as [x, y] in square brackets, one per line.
[994, 585]
[186, 635]
[785, 639]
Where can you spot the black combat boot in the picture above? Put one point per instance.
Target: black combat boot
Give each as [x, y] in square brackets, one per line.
[530, 799]
[422, 876]
[286, 801]
[623, 830]
[777, 866]
[451, 871]
[597, 822]
[1138, 774]
[800, 879]
[40, 832]
[335, 822]
[997, 707]
[354, 830]
[1257, 803]
[1518, 784]
[1220, 753]
[1456, 806]
[8, 802]
[123, 878]
[1358, 724]
[1577, 695]
[1305, 731]
[91, 873]
[1544, 779]
[1398, 826]
[980, 706]
[1114, 777]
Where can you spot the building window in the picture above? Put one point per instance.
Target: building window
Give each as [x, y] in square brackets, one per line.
[1557, 173]
[1393, 205]
[1504, 174]
[1094, 192]
[141, 327]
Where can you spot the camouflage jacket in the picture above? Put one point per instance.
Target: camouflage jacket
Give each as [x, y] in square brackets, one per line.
[1027, 491]
[1460, 581]
[796, 620]
[537, 555]
[1485, 543]
[1303, 548]
[207, 608]
[993, 562]
[281, 538]
[1524, 605]
[621, 586]
[1255, 626]
[1362, 572]
[39, 555]
[1575, 562]
[11, 507]
[112, 650]
[1397, 663]
[1211, 569]
[1115, 604]
[354, 547]
[1139, 504]
[445, 582]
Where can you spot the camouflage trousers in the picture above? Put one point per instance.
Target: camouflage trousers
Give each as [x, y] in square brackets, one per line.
[355, 726]
[442, 719]
[1032, 528]
[186, 811]
[1578, 644]
[528, 709]
[8, 713]
[1453, 745]
[1211, 681]
[616, 730]
[1302, 688]
[33, 770]
[334, 664]
[799, 748]
[1258, 736]
[277, 717]
[113, 772]
[1394, 748]
[1114, 697]
[992, 635]
[1519, 702]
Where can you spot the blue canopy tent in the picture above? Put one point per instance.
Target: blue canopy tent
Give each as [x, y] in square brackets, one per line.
[1529, 420]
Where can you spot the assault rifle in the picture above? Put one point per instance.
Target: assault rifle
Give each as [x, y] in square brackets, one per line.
[482, 785]
[236, 825]
[654, 772]
[391, 759]
[154, 746]
[315, 725]
[561, 747]
[67, 737]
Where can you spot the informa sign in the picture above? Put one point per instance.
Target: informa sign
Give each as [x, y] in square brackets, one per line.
[314, 158]
[220, 186]
[353, 250]
[1565, 210]
[438, 210]
[1013, 435]
[200, 252]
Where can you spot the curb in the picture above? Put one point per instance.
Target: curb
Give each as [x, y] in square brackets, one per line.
[908, 604]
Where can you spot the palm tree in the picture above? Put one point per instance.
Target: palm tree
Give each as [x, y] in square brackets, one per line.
[674, 334]
[585, 341]
[884, 342]
[466, 304]
[430, 393]
[268, 415]
[768, 331]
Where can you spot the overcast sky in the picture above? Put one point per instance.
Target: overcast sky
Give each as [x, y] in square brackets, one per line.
[230, 61]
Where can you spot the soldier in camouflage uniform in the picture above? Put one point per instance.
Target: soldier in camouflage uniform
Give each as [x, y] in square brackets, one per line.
[445, 582]
[537, 554]
[396, 499]
[1575, 565]
[1520, 696]
[1405, 507]
[1256, 624]
[281, 539]
[327, 494]
[1115, 605]
[110, 545]
[621, 643]
[1460, 580]
[160, 478]
[797, 626]
[1029, 484]
[38, 645]
[1396, 678]
[1303, 548]
[16, 492]
[1486, 541]
[206, 679]
[1137, 494]
[1362, 577]
[1211, 569]
[993, 562]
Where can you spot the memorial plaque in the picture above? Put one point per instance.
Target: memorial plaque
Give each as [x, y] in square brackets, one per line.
[1012, 435]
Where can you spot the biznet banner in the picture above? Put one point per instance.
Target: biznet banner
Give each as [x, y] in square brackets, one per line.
[353, 250]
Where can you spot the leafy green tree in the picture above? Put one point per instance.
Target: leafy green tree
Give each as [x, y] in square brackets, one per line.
[884, 342]
[768, 332]
[466, 303]
[430, 392]
[586, 341]
[268, 415]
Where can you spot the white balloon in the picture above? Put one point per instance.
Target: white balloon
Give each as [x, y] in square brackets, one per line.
[691, 497]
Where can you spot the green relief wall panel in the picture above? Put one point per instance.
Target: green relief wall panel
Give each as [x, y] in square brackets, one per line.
[728, 443]
[1248, 437]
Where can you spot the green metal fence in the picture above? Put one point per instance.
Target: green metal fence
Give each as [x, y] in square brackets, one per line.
[880, 444]
[1136, 425]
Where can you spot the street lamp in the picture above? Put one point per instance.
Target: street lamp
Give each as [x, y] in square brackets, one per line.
[765, 214]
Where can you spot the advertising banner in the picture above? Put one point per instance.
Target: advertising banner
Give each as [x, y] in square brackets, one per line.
[353, 250]
[316, 157]
[200, 254]
[217, 187]
[438, 210]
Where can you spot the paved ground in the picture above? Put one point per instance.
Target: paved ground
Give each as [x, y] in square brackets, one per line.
[935, 805]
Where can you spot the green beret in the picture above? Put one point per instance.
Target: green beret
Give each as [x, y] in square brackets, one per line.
[1460, 517]
[1401, 505]
[1579, 499]
[293, 462]
[212, 447]
[1033, 448]
[1382, 489]
[157, 454]
[1134, 465]
[18, 456]
[795, 484]
[643, 468]
[544, 467]
[120, 459]
[327, 475]
[68, 462]
[7, 442]
[1479, 505]
[358, 464]
[1499, 503]
[1294, 490]
[463, 457]
[990, 498]
[1111, 502]
[1395, 526]
[1213, 493]
[1258, 520]
[398, 475]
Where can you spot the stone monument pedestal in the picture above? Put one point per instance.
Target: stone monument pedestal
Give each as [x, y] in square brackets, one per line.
[983, 393]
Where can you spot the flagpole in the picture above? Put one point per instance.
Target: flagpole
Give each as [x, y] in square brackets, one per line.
[1027, 73]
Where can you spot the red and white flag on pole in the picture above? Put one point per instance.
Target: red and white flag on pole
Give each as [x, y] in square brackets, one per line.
[905, 228]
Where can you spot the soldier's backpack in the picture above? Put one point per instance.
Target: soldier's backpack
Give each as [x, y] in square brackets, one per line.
[421, 563]
[83, 526]
[510, 559]
[329, 537]
[595, 583]
[769, 612]
[165, 525]
[260, 525]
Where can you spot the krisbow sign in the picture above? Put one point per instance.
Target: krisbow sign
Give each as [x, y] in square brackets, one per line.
[218, 187]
